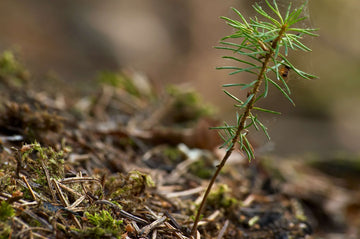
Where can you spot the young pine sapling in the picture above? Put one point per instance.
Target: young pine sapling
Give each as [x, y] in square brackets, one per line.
[261, 47]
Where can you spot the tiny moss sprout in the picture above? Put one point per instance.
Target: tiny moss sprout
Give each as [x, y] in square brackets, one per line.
[6, 211]
[260, 48]
[46, 157]
[6, 214]
[104, 225]
[11, 71]
[118, 80]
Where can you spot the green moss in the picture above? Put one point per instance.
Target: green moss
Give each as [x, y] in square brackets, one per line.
[26, 194]
[6, 184]
[172, 153]
[102, 225]
[53, 160]
[202, 168]
[34, 159]
[103, 219]
[187, 105]
[5, 230]
[6, 211]
[220, 198]
[141, 179]
[11, 71]
[118, 80]
[128, 186]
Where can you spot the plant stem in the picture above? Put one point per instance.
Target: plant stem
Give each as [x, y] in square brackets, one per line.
[240, 127]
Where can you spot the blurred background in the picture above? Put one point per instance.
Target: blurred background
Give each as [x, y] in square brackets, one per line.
[68, 42]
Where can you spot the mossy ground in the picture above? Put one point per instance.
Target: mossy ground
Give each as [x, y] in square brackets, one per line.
[115, 166]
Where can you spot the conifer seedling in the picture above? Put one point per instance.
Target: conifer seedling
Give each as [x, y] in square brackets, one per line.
[260, 49]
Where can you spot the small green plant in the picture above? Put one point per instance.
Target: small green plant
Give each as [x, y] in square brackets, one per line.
[11, 71]
[128, 186]
[118, 80]
[220, 197]
[186, 106]
[45, 157]
[103, 219]
[105, 226]
[6, 213]
[262, 51]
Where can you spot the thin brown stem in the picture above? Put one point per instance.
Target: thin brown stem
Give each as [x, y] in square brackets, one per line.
[240, 128]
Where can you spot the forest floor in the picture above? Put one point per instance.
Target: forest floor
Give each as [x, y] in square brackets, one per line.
[131, 162]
